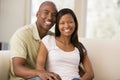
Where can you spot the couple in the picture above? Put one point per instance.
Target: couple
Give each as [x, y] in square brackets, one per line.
[36, 53]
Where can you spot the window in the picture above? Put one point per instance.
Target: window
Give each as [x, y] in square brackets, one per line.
[103, 19]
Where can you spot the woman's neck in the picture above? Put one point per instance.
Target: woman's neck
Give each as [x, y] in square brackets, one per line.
[64, 43]
[64, 40]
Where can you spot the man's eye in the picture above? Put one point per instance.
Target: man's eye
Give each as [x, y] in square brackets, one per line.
[54, 14]
[45, 12]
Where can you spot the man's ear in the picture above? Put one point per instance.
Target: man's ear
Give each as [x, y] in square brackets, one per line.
[37, 14]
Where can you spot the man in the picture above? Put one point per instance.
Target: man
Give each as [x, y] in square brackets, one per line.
[25, 42]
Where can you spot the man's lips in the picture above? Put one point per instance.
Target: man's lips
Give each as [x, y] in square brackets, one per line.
[48, 22]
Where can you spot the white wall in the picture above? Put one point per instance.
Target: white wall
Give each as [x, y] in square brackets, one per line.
[12, 16]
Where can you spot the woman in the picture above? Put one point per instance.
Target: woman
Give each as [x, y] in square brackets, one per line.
[62, 54]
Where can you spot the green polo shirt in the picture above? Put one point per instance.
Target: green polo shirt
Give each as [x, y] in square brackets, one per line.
[25, 43]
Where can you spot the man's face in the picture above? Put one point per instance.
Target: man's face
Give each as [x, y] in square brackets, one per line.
[46, 16]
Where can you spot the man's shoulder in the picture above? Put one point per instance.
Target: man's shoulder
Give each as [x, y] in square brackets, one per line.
[24, 32]
[27, 29]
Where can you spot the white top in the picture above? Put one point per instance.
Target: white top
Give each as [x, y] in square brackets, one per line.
[63, 63]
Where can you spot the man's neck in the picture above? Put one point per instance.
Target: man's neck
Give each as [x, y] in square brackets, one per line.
[41, 31]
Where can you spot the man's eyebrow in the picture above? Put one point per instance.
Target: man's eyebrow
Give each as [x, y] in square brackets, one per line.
[55, 12]
[46, 10]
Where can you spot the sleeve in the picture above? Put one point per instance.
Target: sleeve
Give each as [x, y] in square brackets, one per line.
[48, 42]
[17, 46]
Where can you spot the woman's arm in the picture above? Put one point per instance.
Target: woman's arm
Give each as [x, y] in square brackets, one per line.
[41, 57]
[40, 64]
[89, 74]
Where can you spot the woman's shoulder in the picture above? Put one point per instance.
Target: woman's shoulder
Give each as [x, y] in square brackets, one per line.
[48, 38]
[49, 41]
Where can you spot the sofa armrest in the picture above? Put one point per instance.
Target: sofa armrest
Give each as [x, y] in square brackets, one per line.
[4, 64]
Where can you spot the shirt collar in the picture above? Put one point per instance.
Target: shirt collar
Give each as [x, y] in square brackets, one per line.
[35, 32]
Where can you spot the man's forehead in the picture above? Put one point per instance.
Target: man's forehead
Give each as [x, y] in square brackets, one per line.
[48, 6]
[47, 3]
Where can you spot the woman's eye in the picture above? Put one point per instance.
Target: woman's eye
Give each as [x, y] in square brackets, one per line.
[62, 23]
[71, 22]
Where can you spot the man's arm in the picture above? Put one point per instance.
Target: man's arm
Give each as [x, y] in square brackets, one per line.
[21, 70]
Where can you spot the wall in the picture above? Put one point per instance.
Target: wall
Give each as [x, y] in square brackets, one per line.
[13, 15]
[80, 10]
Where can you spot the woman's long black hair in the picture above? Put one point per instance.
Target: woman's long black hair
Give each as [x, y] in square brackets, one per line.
[74, 37]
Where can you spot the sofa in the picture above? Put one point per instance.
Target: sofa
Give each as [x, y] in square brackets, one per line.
[4, 64]
[104, 56]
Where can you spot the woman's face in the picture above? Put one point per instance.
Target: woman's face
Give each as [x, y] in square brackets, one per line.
[66, 25]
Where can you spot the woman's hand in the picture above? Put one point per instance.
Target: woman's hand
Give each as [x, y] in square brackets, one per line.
[89, 74]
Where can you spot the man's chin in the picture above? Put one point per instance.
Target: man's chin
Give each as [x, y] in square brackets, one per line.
[48, 26]
[47, 29]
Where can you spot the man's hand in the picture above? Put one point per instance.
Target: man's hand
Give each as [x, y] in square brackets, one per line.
[44, 75]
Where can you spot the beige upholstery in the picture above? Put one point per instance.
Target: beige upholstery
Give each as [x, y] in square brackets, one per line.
[4, 65]
[105, 58]
[104, 55]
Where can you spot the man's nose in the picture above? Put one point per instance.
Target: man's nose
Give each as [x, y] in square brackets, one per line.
[50, 16]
